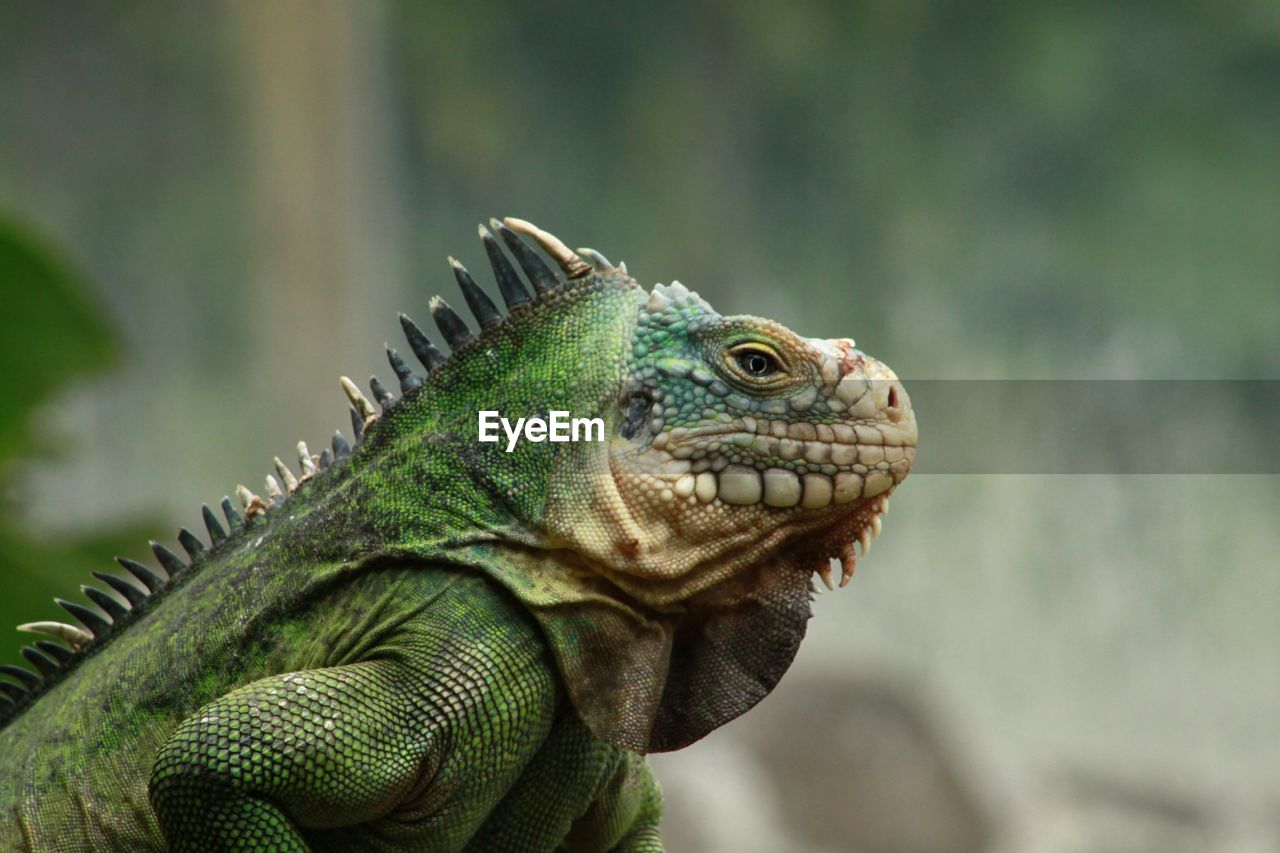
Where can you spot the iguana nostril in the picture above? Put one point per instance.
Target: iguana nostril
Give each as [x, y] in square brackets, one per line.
[897, 404]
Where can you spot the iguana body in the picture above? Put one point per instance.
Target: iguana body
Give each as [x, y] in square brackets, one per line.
[433, 643]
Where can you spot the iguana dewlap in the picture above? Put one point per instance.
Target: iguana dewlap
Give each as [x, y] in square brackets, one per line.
[427, 641]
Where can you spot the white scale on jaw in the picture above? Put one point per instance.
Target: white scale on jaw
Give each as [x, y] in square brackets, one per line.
[834, 463]
[724, 465]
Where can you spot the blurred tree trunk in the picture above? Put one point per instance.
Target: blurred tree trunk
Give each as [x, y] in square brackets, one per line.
[322, 193]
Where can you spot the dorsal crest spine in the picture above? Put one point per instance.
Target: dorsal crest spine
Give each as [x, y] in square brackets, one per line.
[52, 660]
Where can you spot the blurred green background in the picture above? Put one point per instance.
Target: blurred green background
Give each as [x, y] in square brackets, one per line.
[208, 211]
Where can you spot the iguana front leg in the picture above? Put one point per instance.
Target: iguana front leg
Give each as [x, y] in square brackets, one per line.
[577, 794]
[409, 750]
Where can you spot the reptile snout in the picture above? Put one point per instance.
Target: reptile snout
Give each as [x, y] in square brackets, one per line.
[864, 391]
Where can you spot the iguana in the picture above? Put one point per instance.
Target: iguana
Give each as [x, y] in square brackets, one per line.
[427, 641]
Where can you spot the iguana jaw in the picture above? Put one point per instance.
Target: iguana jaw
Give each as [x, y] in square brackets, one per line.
[684, 550]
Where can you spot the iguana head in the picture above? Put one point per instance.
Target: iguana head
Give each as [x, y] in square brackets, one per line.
[670, 563]
[734, 438]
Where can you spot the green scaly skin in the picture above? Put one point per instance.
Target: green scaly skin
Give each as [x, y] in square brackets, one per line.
[435, 644]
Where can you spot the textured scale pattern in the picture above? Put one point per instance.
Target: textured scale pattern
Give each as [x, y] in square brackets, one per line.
[417, 641]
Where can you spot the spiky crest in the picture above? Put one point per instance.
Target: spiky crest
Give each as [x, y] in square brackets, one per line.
[133, 597]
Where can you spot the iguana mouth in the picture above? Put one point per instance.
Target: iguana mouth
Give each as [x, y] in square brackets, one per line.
[831, 482]
[854, 480]
[784, 465]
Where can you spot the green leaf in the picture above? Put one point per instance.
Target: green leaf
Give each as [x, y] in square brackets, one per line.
[52, 332]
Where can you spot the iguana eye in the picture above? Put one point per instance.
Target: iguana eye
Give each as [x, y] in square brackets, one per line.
[757, 363]
[756, 360]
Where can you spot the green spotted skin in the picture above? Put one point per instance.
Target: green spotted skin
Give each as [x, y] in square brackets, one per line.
[437, 644]
[401, 743]
[402, 713]
[345, 673]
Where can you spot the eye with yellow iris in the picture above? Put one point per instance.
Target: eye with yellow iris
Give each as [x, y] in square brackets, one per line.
[756, 361]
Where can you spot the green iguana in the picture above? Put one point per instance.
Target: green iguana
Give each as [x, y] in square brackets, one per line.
[428, 641]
